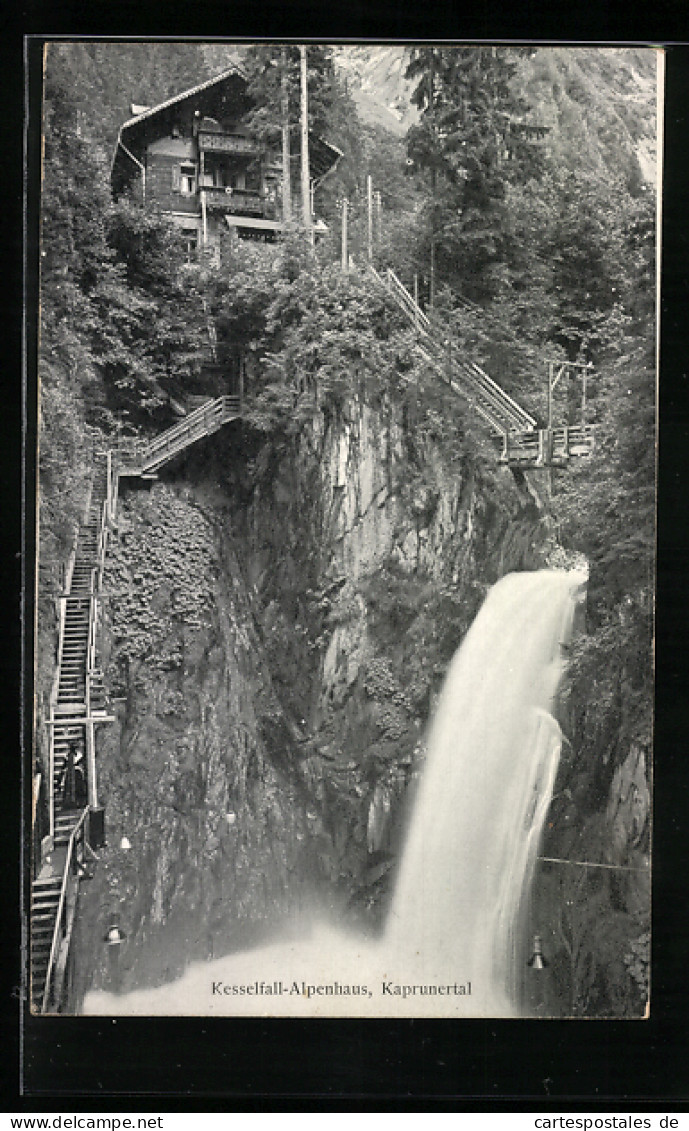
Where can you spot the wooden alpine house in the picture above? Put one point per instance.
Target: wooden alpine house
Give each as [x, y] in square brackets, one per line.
[195, 157]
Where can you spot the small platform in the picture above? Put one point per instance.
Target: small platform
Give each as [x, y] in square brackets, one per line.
[547, 447]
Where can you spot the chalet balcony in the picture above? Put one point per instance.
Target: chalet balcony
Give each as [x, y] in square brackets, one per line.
[211, 142]
[238, 202]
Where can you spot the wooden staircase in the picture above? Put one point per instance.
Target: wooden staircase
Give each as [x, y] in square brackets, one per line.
[45, 898]
[77, 703]
[524, 444]
[146, 459]
[497, 408]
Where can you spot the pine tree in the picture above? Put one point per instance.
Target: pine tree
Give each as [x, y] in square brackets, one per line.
[473, 140]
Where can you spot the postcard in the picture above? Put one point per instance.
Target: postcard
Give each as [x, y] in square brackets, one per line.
[346, 380]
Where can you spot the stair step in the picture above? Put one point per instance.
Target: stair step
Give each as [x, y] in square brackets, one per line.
[41, 931]
[42, 925]
[46, 903]
[40, 946]
[46, 882]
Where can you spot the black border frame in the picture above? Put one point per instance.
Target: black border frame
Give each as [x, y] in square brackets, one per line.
[86, 1063]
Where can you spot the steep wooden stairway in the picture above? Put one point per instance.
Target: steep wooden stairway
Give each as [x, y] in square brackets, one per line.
[77, 702]
[523, 443]
[146, 459]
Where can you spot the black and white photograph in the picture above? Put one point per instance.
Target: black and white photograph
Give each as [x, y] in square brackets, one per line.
[346, 394]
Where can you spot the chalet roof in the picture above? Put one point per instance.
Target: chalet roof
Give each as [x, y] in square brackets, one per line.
[235, 69]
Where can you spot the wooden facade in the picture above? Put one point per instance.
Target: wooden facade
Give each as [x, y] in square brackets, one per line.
[194, 157]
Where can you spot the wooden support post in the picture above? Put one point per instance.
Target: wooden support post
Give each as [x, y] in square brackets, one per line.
[379, 218]
[91, 764]
[550, 394]
[286, 156]
[204, 220]
[369, 199]
[305, 171]
[345, 254]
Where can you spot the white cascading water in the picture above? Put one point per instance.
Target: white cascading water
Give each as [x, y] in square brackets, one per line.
[493, 752]
[457, 916]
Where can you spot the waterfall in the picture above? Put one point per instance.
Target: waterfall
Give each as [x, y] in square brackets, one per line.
[493, 752]
[454, 941]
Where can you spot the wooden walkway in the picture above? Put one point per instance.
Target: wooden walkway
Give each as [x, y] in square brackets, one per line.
[145, 459]
[76, 826]
[523, 443]
[77, 705]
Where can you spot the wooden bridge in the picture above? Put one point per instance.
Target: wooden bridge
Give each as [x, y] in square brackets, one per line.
[523, 444]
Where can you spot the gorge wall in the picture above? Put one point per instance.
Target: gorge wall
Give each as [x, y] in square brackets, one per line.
[279, 620]
[280, 617]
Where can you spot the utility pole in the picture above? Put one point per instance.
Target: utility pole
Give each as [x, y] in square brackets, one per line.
[379, 218]
[305, 170]
[369, 199]
[345, 253]
[286, 156]
[431, 99]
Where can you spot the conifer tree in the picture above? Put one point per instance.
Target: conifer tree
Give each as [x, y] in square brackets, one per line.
[474, 141]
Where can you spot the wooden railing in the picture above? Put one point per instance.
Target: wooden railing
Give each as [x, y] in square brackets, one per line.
[240, 201]
[54, 692]
[62, 929]
[493, 404]
[547, 446]
[403, 298]
[209, 140]
[146, 458]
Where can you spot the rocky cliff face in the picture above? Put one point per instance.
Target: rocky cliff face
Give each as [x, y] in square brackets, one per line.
[273, 650]
[281, 616]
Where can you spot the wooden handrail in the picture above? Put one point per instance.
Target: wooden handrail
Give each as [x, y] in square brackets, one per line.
[54, 692]
[507, 414]
[541, 446]
[408, 301]
[77, 833]
[203, 421]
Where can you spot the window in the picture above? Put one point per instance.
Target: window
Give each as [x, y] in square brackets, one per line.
[190, 241]
[187, 180]
[253, 177]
